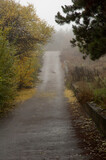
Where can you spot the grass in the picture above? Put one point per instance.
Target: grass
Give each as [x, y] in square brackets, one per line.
[70, 95]
[25, 94]
[85, 93]
[100, 97]
[90, 83]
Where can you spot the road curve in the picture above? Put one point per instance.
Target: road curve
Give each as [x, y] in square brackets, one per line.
[40, 128]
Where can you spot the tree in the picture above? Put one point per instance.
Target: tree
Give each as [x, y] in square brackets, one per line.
[89, 17]
[25, 29]
[22, 36]
[28, 34]
[8, 78]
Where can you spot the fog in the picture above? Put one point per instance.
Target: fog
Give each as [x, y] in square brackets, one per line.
[60, 40]
[47, 10]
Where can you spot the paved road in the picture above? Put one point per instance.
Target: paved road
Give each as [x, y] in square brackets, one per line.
[40, 128]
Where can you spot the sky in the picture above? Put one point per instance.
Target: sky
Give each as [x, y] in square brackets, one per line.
[47, 9]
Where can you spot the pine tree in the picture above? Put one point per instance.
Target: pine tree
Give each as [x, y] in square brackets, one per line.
[89, 17]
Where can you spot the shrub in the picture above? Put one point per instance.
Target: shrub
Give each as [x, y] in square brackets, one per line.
[85, 93]
[100, 96]
[8, 82]
[27, 71]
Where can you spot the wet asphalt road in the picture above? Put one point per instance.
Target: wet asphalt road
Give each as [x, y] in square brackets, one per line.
[40, 128]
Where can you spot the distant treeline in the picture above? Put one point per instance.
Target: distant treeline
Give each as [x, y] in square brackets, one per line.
[22, 36]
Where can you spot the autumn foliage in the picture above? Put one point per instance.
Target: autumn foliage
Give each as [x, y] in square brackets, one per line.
[22, 37]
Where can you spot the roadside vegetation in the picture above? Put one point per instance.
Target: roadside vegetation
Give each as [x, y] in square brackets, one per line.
[92, 141]
[87, 77]
[25, 94]
[88, 20]
[22, 37]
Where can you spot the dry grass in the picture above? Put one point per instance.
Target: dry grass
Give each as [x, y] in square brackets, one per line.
[88, 76]
[70, 95]
[85, 93]
[74, 58]
[25, 94]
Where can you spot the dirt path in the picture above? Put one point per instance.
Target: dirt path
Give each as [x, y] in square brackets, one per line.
[40, 128]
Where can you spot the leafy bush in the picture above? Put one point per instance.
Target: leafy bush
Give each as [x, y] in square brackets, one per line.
[27, 71]
[8, 80]
[100, 96]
